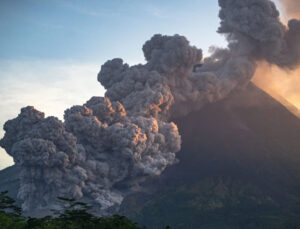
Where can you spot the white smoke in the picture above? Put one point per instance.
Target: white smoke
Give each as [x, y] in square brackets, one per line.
[108, 146]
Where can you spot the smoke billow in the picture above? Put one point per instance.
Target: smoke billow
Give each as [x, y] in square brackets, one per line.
[282, 84]
[105, 148]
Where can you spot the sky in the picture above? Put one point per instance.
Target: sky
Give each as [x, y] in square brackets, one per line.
[52, 50]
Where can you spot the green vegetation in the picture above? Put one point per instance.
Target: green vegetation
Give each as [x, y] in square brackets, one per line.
[74, 215]
[214, 204]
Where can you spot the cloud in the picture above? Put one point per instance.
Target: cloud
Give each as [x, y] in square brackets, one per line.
[59, 84]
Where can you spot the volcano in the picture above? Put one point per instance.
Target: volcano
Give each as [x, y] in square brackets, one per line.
[239, 167]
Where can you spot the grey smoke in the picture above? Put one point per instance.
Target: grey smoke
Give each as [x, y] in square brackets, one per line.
[105, 148]
[96, 148]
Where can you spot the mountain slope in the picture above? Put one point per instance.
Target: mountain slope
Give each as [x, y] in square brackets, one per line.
[9, 181]
[246, 140]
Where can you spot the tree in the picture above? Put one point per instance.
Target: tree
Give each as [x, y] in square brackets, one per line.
[72, 215]
[7, 205]
[10, 213]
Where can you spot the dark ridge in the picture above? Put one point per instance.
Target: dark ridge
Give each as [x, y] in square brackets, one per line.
[246, 139]
[9, 181]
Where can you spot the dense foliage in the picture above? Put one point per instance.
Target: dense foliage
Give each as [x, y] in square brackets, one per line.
[214, 204]
[74, 215]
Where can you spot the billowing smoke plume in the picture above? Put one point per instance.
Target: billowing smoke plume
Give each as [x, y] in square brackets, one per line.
[282, 84]
[253, 27]
[108, 146]
[97, 147]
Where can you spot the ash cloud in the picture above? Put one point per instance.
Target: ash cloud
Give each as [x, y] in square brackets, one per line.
[105, 148]
[253, 27]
